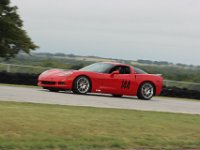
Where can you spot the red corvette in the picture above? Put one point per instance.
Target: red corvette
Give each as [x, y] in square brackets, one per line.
[106, 77]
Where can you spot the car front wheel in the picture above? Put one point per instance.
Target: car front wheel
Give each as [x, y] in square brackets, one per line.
[146, 91]
[82, 85]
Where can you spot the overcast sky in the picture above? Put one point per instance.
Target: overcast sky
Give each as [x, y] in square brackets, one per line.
[167, 30]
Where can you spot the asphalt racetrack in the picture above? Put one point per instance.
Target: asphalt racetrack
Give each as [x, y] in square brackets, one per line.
[38, 95]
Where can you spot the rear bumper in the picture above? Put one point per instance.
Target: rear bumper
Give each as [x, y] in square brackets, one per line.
[159, 87]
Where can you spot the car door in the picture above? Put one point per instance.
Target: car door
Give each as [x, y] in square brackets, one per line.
[118, 83]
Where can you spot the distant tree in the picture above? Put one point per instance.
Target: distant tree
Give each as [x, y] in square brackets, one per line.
[164, 63]
[59, 54]
[78, 66]
[44, 54]
[144, 61]
[181, 65]
[71, 55]
[13, 39]
[54, 63]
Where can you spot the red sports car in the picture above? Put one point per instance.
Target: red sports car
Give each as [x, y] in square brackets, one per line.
[105, 77]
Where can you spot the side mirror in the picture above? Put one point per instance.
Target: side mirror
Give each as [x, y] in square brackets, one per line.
[114, 72]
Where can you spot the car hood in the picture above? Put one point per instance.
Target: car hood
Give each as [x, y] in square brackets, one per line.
[57, 72]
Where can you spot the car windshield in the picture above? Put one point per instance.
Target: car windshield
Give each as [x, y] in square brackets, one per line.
[98, 67]
[139, 71]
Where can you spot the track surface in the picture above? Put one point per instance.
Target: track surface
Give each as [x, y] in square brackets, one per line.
[37, 95]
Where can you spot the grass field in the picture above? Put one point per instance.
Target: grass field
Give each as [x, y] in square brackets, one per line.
[40, 126]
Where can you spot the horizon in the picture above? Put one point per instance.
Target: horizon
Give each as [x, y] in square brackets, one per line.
[153, 61]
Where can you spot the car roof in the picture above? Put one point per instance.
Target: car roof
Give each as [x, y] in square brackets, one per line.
[115, 63]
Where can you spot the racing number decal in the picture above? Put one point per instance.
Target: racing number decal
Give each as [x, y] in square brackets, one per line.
[125, 84]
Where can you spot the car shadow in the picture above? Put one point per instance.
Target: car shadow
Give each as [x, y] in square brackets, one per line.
[117, 98]
[98, 95]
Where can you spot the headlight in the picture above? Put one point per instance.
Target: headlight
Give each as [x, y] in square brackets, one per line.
[65, 74]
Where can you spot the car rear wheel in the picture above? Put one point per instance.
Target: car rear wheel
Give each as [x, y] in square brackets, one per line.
[82, 85]
[146, 91]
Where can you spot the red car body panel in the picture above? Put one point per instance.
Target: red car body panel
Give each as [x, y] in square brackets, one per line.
[101, 82]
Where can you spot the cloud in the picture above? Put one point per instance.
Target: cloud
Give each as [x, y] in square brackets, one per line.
[128, 29]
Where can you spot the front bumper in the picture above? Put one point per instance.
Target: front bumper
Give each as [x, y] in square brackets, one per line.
[58, 83]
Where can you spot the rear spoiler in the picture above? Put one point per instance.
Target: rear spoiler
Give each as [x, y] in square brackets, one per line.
[158, 75]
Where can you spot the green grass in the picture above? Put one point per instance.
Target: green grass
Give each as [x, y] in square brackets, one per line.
[41, 126]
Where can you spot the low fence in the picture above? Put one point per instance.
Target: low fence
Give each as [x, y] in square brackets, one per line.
[18, 78]
[27, 75]
[13, 68]
[181, 89]
[20, 74]
[182, 85]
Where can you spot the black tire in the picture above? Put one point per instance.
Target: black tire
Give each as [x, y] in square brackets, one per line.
[116, 95]
[146, 91]
[82, 85]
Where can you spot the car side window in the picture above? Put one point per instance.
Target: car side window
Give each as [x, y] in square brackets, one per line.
[121, 69]
[114, 69]
[125, 70]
